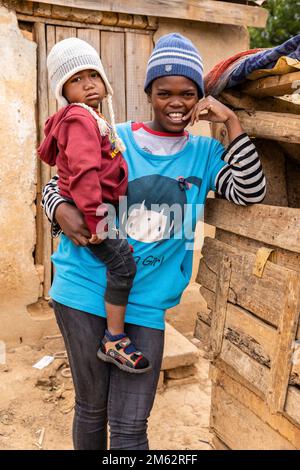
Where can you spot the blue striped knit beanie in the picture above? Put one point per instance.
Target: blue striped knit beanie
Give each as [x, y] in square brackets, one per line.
[175, 55]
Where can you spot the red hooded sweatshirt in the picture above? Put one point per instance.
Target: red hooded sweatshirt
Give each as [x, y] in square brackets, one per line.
[89, 172]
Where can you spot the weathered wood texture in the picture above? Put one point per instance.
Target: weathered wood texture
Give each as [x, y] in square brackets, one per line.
[275, 226]
[40, 12]
[249, 404]
[282, 361]
[291, 150]
[244, 329]
[64, 33]
[137, 51]
[273, 161]
[268, 125]
[288, 259]
[275, 85]
[246, 289]
[113, 58]
[284, 258]
[219, 312]
[202, 332]
[43, 243]
[92, 36]
[292, 406]
[52, 108]
[201, 10]
[218, 444]
[232, 422]
[239, 100]
[247, 367]
[107, 23]
[263, 297]
[293, 182]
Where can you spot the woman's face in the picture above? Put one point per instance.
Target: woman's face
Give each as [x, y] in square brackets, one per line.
[172, 98]
[85, 87]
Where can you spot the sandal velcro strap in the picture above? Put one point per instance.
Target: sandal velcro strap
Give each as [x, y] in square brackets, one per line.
[123, 343]
[117, 352]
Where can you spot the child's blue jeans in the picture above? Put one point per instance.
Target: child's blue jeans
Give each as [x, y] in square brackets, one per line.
[121, 268]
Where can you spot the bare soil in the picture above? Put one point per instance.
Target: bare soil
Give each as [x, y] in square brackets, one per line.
[36, 406]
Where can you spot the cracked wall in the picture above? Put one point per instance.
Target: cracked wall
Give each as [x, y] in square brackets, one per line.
[19, 283]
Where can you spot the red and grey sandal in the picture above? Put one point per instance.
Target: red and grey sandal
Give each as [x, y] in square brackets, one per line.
[131, 361]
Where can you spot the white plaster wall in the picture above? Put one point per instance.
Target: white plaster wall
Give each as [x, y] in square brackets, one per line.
[19, 283]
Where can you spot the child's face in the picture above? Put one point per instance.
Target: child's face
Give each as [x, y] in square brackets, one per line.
[86, 87]
[172, 98]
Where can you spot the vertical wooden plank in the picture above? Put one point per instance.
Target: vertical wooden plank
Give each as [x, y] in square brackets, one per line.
[282, 363]
[50, 42]
[52, 103]
[52, 107]
[138, 49]
[63, 32]
[44, 245]
[113, 58]
[219, 312]
[92, 36]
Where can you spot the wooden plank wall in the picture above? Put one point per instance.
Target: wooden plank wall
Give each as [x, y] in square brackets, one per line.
[43, 245]
[256, 356]
[124, 56]
[251, 425]
[256, 371]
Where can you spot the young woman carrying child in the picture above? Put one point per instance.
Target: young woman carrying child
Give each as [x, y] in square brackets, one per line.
[165, 164]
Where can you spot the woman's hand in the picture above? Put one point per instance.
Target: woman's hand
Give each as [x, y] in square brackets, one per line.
[209, 109]
[72, 223]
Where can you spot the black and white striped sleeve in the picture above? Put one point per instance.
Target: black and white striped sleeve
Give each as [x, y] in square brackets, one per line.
[51, 199]
[242, 181]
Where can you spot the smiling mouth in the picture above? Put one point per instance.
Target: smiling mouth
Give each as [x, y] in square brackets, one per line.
[175, 117]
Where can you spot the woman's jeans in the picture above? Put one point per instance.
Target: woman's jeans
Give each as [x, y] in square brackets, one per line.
[103, 392]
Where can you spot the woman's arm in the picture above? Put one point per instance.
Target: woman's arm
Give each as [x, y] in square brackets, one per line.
[51, 199]
[242, 181]
[63, 216]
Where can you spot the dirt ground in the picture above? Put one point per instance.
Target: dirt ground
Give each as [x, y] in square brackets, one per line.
[36, 406]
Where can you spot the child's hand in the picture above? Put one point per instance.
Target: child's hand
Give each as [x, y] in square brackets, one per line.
[95, 240]
[209, 109]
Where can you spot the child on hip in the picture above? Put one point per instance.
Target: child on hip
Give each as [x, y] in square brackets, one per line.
[93, 175]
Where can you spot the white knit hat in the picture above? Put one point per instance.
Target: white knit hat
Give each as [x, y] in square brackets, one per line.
[68, 57]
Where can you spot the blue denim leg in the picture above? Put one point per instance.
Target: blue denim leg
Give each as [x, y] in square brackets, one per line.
[81, 332]
[104, 392]
[121, 268]
[131, 396]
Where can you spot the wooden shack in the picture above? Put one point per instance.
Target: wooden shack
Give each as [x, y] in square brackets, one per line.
[250, 279]
[124, 32]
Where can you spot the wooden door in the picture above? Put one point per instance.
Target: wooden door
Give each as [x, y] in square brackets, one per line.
[124, 55]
